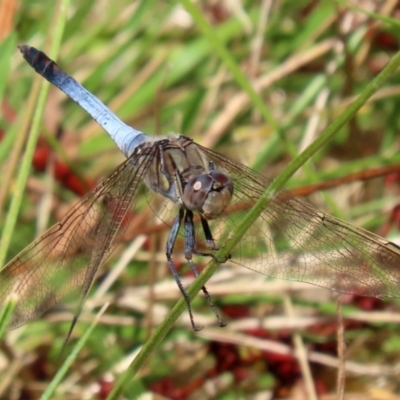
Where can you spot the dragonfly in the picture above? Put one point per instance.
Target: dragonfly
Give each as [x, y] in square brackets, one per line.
[202, 195]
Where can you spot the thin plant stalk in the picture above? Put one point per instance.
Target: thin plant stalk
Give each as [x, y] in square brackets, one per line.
[59, 19]
[248, 220]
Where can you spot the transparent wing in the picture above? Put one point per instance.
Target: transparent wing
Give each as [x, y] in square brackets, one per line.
[293, 240]
[64, 260]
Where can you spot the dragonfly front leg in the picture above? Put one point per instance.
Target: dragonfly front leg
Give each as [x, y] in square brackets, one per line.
[210, 242]
[169, 250]
[208, 235]
[190, 243]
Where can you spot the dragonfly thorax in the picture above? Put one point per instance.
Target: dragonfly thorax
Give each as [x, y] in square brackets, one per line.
[208, 194]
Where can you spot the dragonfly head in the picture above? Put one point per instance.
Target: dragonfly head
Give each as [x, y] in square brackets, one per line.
[208, 194]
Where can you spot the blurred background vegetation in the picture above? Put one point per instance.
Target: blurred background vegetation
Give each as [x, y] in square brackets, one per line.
[149, 62]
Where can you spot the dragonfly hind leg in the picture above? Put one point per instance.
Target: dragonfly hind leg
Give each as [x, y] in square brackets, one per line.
[169, 249]
[190, 242]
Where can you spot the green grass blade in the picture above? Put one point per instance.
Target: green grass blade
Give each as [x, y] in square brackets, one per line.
[252, 215]
[48, 393]
[6, 313]
[223, 53]
[60, 15]
[288, 172]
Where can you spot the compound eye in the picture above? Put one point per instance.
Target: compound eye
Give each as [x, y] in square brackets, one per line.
[223, 179]
[220, 196]
[196, 191]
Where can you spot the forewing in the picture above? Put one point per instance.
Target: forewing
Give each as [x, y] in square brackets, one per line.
[293, 240]
[64, 260]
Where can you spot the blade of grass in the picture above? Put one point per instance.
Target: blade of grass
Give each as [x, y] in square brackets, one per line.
[70, 359]
[6, 48]
[60, 15]
[209, 33]
[380, 17]
[6, 312]
[296, 163]
[252, 215]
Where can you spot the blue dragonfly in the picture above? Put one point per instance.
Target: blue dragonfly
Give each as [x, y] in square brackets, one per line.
[208, 194]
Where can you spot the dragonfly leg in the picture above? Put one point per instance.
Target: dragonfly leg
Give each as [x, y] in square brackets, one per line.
[190, 241]
[207, 233]
[210, 242]
[170, 247]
